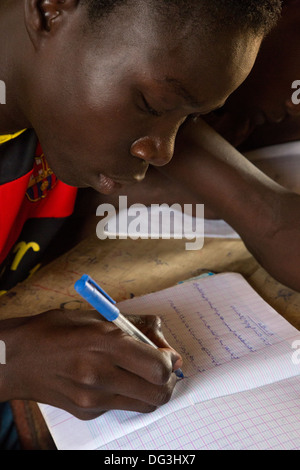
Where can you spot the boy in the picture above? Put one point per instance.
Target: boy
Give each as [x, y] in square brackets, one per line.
[106, 87]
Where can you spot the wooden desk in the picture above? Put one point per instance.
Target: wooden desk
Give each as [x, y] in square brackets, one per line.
[127, 268]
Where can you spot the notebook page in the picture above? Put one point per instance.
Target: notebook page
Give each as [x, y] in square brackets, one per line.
[266, 418]
[222, 329]
[214, 320]
[228, 379]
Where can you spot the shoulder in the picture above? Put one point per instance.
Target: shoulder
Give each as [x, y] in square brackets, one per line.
[17, 153]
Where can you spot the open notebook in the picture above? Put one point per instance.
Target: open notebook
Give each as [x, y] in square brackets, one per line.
[241, 388]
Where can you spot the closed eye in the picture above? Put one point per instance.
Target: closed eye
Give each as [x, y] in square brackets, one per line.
[149, 108]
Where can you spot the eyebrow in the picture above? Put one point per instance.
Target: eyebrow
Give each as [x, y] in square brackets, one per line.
[181, 91]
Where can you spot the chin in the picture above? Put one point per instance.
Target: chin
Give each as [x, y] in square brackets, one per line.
[70, 181]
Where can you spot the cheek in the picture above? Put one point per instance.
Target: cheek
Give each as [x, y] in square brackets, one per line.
[88, 138]
[79, 153]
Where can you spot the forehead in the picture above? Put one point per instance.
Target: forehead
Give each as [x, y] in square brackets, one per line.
[130, 44]
[202, 73]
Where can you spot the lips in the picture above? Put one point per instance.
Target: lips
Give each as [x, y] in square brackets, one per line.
[109, 184]
[106, 185]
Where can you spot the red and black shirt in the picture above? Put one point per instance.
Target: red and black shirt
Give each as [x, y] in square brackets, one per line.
[33, 207]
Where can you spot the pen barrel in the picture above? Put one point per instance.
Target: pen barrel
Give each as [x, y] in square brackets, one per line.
[126, 326]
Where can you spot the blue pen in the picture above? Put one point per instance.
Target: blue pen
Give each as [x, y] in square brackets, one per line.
[105, 305]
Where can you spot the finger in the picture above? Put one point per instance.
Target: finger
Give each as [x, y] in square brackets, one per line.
[115, 347]
[125, 392]
[177, 361]
[117, 402]
[87, 406]
[132, 386]
[151, 326]
[153, 365]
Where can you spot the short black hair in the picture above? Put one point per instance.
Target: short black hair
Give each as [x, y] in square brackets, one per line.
[260, 16]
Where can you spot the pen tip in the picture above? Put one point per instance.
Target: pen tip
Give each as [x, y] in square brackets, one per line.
[179, 374]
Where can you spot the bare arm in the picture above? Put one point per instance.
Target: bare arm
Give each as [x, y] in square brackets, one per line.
[266, 215]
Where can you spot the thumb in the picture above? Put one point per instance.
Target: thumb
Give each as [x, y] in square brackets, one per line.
[176, 358]
[152, 327]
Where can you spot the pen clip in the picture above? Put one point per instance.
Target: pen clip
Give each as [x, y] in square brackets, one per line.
[89, 280]
[97, 298]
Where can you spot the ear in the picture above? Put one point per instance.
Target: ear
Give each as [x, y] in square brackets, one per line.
[43, 17]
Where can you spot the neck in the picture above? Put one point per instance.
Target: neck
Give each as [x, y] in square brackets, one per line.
[13, 40]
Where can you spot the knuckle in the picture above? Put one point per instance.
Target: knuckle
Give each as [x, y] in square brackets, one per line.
[147, 409]
[84, 402]
[166, 395]
[84, 415]
[88, 380]
[161, 372]
[85, 374]
[147, 323]
[163, 395]
[91, 370]
[152, 325]
[152, 321]
[88, 416]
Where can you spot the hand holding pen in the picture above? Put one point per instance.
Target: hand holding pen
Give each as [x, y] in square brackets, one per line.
[106, 306]
[78, 362]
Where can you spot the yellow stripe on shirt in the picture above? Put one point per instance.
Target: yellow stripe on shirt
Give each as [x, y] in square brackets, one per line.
[6, 138]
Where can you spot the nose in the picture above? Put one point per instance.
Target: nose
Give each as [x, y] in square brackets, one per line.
[155, 151]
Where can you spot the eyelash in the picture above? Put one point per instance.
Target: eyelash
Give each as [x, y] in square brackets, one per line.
[151, 110]
[156, 113]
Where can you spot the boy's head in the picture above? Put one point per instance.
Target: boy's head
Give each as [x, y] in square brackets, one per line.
[114, 80]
